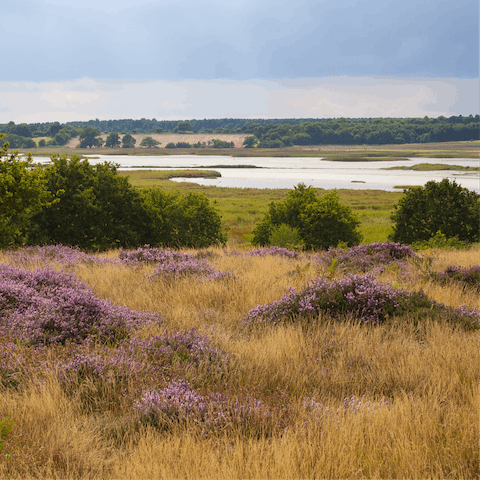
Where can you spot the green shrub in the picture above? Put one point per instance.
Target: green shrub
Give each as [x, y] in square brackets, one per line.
[285, 236]
[438, 206]
[320, 221]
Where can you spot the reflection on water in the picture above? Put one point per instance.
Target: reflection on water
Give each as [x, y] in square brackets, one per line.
[288, 172]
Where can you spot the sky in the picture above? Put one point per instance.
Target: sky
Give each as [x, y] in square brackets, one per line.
[67, 60]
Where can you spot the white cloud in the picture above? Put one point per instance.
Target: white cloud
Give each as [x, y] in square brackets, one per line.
[343, 96]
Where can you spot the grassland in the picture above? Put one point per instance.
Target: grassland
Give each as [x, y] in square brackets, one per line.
[426, 167]
[416, 379]
[242, 208]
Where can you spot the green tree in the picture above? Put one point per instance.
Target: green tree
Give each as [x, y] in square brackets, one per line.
[95, 207]
[438, 206]
[149, 142]
[327, 222]
[321, 222]
[250, 142]
[128, 141]
[23, 192]
[182, 220]
[184, 126]
[112, 140]
[90, 137]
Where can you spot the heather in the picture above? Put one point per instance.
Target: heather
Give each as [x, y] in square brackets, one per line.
[365, 257]
[131, 365]
[465, 276]
[45, 306]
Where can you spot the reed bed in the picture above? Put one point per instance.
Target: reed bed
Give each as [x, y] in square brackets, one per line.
[201, 391]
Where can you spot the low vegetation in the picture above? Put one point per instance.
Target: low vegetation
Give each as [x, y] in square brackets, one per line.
[153, 363]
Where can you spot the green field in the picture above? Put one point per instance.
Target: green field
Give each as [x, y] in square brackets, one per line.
[242, 208]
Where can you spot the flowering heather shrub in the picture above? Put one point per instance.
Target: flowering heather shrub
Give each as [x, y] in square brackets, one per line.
[186, 347]
[60, 254]
[179, 404]
[274, 250]
[361, 296]
[463, 275]
[362, 258]
[147, 254]
[44, 306]
[190, 267]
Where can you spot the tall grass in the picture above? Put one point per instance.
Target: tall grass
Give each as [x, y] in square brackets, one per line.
[338, 398]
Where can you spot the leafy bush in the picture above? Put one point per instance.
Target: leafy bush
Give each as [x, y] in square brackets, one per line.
[95, 208]
[285, 236]
[321, 221]
[444, 207]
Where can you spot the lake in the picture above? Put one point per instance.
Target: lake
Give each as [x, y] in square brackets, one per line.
[268, 172]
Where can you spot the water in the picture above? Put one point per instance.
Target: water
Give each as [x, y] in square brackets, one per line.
[288, 172]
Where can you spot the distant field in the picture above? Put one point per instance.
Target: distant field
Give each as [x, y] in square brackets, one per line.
[331, 152]
[165, 138]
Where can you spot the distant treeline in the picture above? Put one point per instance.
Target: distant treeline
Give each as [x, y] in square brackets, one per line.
[269, 133]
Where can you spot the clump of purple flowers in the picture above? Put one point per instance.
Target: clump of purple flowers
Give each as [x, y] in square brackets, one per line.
[186, 347]
[467, 276]
[147, 254]
[274, 250]
[179, 404]
[362, 258]
[190, 267]
[360, 296]
[44, 306]
[60, 254]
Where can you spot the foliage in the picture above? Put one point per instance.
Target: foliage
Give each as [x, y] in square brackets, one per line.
[216, 143]
[285, 236]
[89, 137]
[128, 141]
[44, 306]
[113, 140]
[149, 142]
[321, 222]
[95, 207]
[439, 240]
[250, 142]
[170, 145]
[182, 220]
[184, 126]
[23, 192]
[438, 206]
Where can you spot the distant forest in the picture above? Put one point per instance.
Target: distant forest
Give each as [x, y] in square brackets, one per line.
[268, 133]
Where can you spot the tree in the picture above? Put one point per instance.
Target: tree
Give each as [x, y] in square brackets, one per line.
[149, 142]
[250, 142]
[23, 192]
[438, 206]
[184, 126]
[95, 207]
[112, 140]
[128, 141]
[321, 222]
[182, 220]
[89, 137]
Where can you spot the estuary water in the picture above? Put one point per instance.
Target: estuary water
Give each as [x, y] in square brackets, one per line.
[281, 172]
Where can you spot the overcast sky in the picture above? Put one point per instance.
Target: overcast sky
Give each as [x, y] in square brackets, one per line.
[78, 60]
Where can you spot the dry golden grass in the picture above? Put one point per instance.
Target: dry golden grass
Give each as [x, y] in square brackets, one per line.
[428, 371]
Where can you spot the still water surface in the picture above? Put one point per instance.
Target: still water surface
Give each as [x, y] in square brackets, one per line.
[288, 172]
